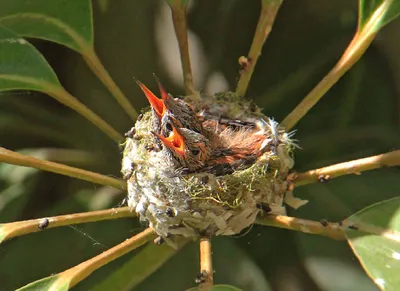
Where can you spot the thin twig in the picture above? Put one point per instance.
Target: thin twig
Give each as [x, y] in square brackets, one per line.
[359, 44]
[74, 275]
[15, 158]
[390, 159]
[94, 63]
[61, 95]
[81, 271]
[18, 228]
[133, 272]
[332, 230]
[206, 267]
[178, 12]
[269, 10]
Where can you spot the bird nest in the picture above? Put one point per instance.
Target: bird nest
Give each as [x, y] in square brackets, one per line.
[226, 191]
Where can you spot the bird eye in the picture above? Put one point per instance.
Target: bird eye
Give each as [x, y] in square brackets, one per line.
[195, 152]
[169, 126]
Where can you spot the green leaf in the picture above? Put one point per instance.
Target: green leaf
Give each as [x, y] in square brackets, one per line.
[22, 66]
[177, 3]
[67, 22]
[49, 283]
[217, 288]
[138, 268]
[391, 9]
[379, 249]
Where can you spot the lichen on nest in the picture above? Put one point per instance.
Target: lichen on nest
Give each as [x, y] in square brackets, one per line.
[205, 201]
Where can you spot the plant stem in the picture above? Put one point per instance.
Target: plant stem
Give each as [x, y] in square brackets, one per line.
[206, 267]
[15, 158]
[133, 272]
[353, 53]
[332, 230]
[178, 12]
[18, 228]
[269, 10]
[390, 159]
[94, 63]
[359, 44]
[83, 270]
[62, 96]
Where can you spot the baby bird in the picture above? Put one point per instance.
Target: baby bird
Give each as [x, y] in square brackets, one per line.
[179, 109]
[190, 150]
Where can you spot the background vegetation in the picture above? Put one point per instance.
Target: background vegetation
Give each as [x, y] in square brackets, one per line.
[359, 117]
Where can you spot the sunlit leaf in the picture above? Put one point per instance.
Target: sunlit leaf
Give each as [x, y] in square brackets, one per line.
[68, 22]
[379, 249]
[368, 7]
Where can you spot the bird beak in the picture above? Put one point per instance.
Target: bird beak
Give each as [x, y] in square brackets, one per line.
[156, 103]
[174, 142]
[164, 93]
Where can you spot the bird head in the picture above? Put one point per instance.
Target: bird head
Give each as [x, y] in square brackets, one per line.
[189, 148]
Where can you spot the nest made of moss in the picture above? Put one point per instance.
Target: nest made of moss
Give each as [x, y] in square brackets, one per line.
[207, 203]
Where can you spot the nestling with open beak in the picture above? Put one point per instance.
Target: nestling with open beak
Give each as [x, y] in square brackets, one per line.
[179, 109]
[192, 171]
[189, 149]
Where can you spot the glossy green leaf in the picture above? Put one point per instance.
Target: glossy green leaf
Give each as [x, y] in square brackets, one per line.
[22, 66]
[68, 22]
[49, 283]
[379, 249]
[217, 288]
[368, 8]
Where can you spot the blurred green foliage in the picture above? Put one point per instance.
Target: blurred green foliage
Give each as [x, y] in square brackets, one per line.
[357, 118]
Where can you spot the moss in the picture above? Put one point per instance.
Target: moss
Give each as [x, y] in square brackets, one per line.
[204, 202]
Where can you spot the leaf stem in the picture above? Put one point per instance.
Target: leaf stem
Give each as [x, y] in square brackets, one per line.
[18, 228]
[390, 159]
[81, 271]
[94, 63]
[178, 12]
[61, 95]
[357, 47]
[15, 158]
[332, 230]
[269, 10]
[206, 267]
[72, 276]
[133, 272]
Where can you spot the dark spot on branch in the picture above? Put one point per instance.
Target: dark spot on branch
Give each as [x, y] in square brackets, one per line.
[324, 178]
[324, 222]
[201, 277]
[353, 227]
[44, 223]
